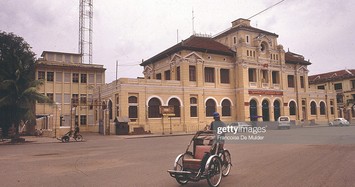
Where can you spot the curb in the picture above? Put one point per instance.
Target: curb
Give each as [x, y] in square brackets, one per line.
[153, 136]
[313, 126]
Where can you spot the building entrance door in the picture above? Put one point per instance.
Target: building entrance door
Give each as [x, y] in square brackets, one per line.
[253, 110]
[265, 107]
[276, 110]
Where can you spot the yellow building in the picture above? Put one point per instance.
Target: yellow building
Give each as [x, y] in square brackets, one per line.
[241, 73]
[70, 84]
[343, 82]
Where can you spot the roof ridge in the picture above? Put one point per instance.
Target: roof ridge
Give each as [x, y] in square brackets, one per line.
[349, 72]
[194, 43]
[330, 72]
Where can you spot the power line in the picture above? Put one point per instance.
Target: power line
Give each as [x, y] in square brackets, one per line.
[266, 9]
[251, 17]
[128, 64]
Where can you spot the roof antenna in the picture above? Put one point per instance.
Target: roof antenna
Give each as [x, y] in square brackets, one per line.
[193, 22]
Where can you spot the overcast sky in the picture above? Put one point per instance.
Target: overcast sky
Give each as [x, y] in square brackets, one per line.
[132, 30]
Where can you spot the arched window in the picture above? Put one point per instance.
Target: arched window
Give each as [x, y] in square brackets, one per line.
[132, 107]
[313, 108]
[265, 110]
[176, 103]
[110, 109]
[104, 106]
[96, 104]
[226, 108]
[193, 107]
[117, 106]
[253, 110]
[322, 108]
[153, 108]
[210, 107]
[277, 112]
[292, 107]
[263, 46]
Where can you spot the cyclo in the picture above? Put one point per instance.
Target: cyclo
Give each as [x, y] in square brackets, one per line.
[207, 160]
[71, 134]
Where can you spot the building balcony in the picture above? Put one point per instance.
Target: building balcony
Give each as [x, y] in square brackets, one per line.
[265, 85]
[276, 86]
[339, 91]
[340, 105]
[253, 84]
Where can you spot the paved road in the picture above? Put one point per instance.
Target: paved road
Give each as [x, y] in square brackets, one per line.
[307, 157]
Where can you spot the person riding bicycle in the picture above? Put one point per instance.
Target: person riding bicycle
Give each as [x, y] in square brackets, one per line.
[76, 130]
[217, 123]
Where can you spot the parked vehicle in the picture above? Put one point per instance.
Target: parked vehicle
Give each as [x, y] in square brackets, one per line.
[283, 122]
[207, 160]
[339, 122]
[242, 126]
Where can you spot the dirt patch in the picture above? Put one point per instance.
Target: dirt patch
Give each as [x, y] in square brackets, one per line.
[47, 154]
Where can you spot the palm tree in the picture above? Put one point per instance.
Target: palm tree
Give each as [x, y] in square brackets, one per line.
[18, 87]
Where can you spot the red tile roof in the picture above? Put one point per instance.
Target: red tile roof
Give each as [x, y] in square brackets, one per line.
[209, 45]
[194, 43]
[58, 52]
[245, 28]
[331, 76]
[293, 58]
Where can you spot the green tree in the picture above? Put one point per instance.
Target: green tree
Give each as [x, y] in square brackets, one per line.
[18, 87]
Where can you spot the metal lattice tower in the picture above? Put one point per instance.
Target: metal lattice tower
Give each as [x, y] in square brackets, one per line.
[85, 30]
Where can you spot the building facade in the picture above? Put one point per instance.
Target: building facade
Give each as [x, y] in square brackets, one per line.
[343, 83]
[70, 84]
[242, 73]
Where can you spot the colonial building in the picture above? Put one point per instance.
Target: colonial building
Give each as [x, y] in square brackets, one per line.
[242, 73]
[70, 84]
[343, 82]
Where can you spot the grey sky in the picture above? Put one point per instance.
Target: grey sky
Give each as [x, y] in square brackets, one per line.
[132, 30]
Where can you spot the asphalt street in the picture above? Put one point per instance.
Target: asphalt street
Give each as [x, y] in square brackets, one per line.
[321, 156]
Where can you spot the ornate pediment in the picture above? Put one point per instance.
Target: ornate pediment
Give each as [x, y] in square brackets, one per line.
[148, 71]
[303, 70]
[194, 58]
[175, 60]
[263, 37]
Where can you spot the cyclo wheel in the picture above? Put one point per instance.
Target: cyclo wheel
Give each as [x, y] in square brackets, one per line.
[79, 138]
[214, 175]
[65, 139]
[178, 166]
[226, 162]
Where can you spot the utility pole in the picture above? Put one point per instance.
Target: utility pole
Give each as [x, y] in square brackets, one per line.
[193, 22]
[116, 70]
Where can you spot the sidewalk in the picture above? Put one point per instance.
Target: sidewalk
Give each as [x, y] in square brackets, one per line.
[316, 125]
[155, 135]
[30, 139]
[91, 136]
[323, 125]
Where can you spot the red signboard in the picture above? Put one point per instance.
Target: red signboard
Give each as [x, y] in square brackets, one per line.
[265, 92]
